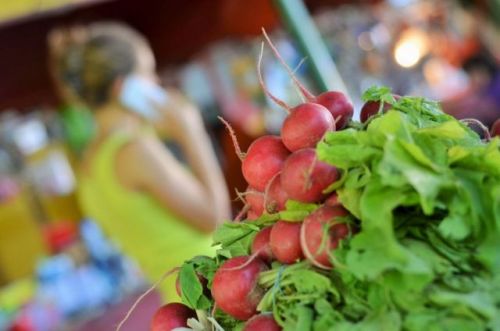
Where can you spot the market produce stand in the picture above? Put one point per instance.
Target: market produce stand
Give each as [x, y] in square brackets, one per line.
[389, 177]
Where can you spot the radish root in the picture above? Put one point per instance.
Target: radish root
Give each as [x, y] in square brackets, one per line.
[251, 258]
[305, 92]
[239, 196]
[236, 145]
[214, 308]
[136, 303]
[278, 101]
[308, 175]
[308, 254]
[301, 62]
[295, 86]
[243, 211]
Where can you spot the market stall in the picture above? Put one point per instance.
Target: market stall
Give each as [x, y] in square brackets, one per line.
[357, 202]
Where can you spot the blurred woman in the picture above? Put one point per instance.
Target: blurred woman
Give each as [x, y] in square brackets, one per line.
[158, 210]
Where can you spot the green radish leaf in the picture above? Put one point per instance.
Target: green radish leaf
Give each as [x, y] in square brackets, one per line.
[228, 322]
[326, 315]
[293, 216]
[305, 318]
[232, 233]
[206, 267]
[376, 93]
[309, 281]
[296, 211]
[343, 150]
[192, 289]
[293, 205]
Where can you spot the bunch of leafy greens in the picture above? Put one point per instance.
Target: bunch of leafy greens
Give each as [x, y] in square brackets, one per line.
[425, 193]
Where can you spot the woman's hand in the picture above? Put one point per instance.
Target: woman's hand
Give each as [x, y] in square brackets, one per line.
[176, 110]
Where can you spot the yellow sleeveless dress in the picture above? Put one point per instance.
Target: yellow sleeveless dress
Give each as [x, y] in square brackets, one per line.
[157, 239]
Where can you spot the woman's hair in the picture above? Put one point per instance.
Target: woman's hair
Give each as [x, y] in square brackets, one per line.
[111, 51]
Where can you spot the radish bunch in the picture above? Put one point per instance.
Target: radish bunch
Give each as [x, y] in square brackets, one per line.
[279, 170]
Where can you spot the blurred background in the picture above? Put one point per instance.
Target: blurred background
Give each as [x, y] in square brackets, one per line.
[58, 270]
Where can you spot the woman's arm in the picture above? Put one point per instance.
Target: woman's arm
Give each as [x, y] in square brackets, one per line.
[147, 166]
[183, 123]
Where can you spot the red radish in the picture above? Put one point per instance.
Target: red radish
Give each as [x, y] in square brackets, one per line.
[251, 215]
[335, 102]
[371, 108]
[264, 159]
[304, 177]
[479, 128]
[312, 235]
[171, 316]
[262, 322]
[235, 288]
[285, 242]
[333, 200]
[261, 246]
[495, 128]
[255, 200]
[306, 125]
[338, 105]
[275, 197]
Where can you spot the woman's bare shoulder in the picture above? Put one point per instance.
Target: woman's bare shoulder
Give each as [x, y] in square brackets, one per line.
[133, 142]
